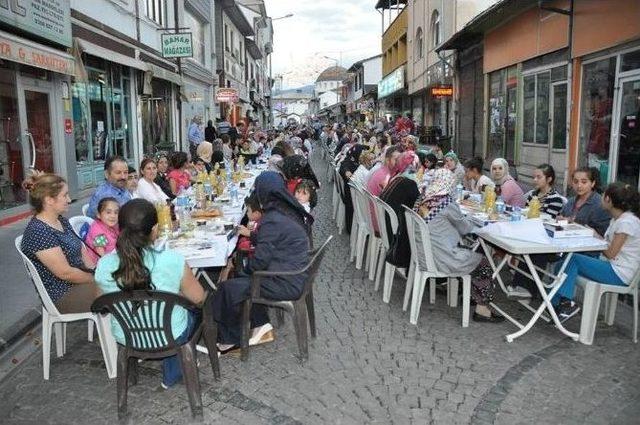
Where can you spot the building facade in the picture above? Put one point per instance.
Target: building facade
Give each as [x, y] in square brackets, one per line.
[36, 128]
[561, 85]
[392, 88]
[363, 88]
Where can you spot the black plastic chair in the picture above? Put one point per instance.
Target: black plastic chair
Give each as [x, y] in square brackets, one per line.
[145, 319]
[302, 310]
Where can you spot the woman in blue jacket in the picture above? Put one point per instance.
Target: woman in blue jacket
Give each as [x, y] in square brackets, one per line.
[282, 244]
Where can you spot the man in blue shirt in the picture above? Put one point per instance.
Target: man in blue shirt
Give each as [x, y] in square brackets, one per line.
[116, 173]
[196, 135]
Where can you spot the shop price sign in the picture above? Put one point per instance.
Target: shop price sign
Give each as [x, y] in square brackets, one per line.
[227, 95]
[178, 45]
[50, 19]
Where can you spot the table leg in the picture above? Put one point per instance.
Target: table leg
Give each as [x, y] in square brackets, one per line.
[546, 301]
[496, 270]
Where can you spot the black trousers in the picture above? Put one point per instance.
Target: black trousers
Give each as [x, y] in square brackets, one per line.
[228, 299]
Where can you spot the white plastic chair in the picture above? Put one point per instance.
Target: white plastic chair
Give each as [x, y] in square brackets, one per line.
[78, 221]
[593, 291]
[51, 318]
[384, 210]
[340, 213]
[375, 239]
[425, 268]
[85, 208]
[360, 217]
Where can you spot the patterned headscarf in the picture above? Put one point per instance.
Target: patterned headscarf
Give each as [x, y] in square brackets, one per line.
[437, 196]
[407, 159]
[452, 155]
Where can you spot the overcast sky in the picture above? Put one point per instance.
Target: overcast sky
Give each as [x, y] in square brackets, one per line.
[336, 28]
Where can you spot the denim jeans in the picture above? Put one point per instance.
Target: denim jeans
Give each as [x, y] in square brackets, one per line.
[589, 267]
[171, 370]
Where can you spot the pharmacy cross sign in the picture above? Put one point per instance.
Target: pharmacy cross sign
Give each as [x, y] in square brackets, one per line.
[179, 45]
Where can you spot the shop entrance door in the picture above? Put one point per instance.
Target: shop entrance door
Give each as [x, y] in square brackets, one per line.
[36, 128]
[625, 144]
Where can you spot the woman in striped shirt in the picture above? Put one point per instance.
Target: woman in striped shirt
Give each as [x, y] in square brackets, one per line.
[544, 177]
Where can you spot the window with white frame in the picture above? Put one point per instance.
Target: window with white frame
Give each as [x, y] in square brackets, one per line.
[544, 104]
[156, 10]
[436, 36]
[196, 27]
[419, 44]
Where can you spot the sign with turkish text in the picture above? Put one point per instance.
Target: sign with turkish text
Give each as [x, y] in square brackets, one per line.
[177, 45]
[50, 19]
[12, 49]
[442, 91]
[227, 95]
[68, 126]
[391, 83]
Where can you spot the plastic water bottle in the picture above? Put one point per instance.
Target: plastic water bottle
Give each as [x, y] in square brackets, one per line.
[233, 191]
[459, 192]
[516, 214]
[208, 189]
[500, 205]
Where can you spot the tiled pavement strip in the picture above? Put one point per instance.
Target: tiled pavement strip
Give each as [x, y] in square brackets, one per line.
[368, 365]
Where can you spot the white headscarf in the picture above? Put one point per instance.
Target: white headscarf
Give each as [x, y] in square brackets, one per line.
[500, 179]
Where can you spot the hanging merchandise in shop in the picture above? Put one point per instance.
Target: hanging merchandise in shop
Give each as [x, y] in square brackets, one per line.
[177, 45]
[50, 19]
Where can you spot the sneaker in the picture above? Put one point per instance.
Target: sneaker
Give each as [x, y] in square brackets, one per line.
[518, 292]
[262, 335]
[566, 310]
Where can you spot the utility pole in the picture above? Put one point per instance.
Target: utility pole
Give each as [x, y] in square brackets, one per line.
[176, 25]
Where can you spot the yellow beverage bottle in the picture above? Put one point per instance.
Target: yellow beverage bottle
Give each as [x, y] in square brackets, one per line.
[489, 199]
[534, 208]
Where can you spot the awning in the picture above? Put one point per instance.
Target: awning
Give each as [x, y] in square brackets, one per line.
[100, 52]
[163, 74]
[23, 51]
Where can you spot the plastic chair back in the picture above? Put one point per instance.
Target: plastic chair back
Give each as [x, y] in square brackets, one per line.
[78, 222]
[420, 241]
[85, 208]
[384, 211]
[144, 316]
[32, 272]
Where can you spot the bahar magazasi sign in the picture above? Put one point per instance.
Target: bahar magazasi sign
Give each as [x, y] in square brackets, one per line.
[178, 45]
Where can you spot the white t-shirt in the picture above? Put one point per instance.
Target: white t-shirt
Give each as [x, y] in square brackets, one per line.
[151, 192]
[476, 186]
[626, 263]
[361, 175]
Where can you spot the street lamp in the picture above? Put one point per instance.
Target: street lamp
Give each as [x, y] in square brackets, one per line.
[288, 15]
[333, 59]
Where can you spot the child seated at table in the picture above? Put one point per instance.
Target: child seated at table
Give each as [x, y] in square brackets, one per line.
[306, 194]
[246, 243]
[619, 263]
[103, 232]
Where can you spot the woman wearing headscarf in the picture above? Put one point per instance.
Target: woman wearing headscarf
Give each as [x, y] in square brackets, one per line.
[447, 227]
[452, 163]
[210, 132]
[282, 244]
[361, 175]
[349, 166]
[204, 152]
[402, 190]
[506, 186]
[297, 168]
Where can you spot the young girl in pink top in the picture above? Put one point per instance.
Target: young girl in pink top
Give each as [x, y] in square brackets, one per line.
[103, 233]
[506, 186]
[179, 177]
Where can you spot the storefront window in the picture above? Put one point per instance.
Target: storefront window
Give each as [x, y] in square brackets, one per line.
[497, 113]
[156, 118]
[630, 61]
[536, 109]
[595, 121]
[80, 121]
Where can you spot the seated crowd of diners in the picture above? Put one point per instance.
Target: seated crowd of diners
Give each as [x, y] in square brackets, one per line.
[392, 166]
[118, 252]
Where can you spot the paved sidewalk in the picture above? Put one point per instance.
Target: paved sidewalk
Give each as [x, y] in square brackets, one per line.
[368, 365]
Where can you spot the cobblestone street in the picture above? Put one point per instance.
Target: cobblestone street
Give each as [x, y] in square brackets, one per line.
[367, 365]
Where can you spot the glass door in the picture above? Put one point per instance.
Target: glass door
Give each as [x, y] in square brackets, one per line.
[627, 167]
[36, 125]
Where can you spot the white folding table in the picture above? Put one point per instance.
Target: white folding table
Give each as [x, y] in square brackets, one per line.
[522, 251]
